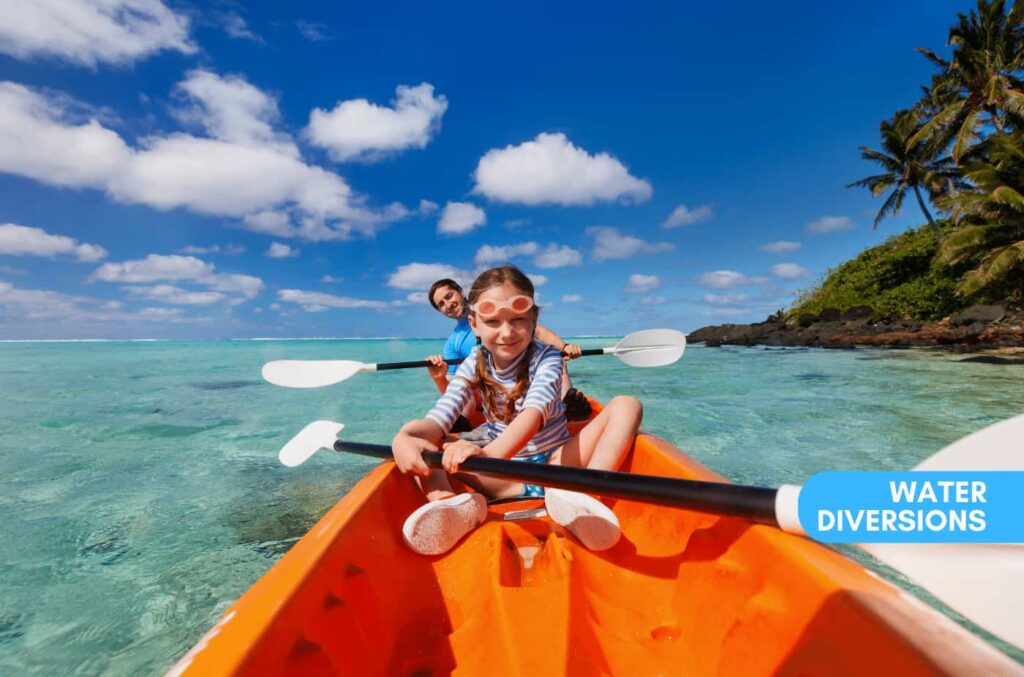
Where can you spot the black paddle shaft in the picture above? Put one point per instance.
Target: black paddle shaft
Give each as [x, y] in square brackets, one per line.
[411, 365]
[752, 503]
[425, 363]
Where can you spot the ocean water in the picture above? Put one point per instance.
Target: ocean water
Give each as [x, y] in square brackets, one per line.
[141, 493]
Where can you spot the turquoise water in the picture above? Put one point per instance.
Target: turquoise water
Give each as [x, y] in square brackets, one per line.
[141, 494]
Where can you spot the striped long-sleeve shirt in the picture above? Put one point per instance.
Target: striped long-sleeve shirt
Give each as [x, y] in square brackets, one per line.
[545, 374]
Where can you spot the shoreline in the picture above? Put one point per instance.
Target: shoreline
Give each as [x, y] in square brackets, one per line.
[990, 331]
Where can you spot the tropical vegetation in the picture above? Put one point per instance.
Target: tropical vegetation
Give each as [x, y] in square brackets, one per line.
[961, 146]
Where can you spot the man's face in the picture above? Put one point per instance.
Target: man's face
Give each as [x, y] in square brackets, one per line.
[450, 302]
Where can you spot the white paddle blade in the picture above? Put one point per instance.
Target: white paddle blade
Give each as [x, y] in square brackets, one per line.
[650, 348]
[997, 447]
[309, 373]
[983, 581]
[314, 437]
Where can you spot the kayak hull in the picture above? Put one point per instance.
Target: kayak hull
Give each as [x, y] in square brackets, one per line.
[681, 593]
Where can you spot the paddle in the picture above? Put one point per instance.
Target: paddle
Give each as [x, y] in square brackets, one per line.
[648, 348]
[981, 581]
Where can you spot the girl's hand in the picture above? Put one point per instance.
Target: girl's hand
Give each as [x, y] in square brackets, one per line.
[438, 367]
[457, 452]
[572, 351]
[408, 452]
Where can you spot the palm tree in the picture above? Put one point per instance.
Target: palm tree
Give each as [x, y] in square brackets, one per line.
[979, 84]
[989, 215]
[906, 167]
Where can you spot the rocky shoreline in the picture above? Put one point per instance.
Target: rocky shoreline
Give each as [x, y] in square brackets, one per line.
[996, 328]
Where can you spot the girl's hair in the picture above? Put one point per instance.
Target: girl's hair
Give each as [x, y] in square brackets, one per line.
[489, 387]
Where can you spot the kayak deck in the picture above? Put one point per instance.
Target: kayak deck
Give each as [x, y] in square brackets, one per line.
[682, 592]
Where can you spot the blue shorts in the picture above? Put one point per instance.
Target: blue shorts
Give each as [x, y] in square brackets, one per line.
[534, 490]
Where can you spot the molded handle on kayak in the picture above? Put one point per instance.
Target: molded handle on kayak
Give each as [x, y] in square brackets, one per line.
[752, 503]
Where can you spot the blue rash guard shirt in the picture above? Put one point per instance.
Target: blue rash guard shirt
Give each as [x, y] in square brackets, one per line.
[459, 344]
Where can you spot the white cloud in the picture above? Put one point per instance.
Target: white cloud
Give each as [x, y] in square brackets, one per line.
[830, 224]
[360, 130]
[156, 267]
[538, 280]
[279, 250]
[18, 240]
[231, 109]
[557, 256]
[167, 293]
[315, 302]
[789, 271]
[331, 279]
[572, 298]
[228, 249]
[683, 216]
[551, 256]
[88, 32]
[653, 300]
[724, 279]
[780, 247]
[42, 304]
[314, 31]
[639, 283]
[490, 255]
[427, 207]
[459, 218]
[236, 27]
[419, 276]
[246, 170]
[416, 297]
[36, 144]
[194, 249]
[610, 244]
[551, 170]
[725, 299]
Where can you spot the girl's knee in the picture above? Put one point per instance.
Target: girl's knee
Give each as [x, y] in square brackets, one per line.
[627, 405]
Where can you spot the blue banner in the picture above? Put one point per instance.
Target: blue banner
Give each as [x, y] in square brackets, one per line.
[914, 507]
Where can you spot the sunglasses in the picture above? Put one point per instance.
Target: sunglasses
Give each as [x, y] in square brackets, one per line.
[488, 309]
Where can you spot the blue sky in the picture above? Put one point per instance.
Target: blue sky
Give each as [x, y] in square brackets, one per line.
[209, 170]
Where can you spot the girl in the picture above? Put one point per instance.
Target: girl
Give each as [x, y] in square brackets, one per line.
[519, 380]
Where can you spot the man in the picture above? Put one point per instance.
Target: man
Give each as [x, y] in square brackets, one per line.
[446, 297]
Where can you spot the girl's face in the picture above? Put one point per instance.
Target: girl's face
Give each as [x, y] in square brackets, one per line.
[508, 333]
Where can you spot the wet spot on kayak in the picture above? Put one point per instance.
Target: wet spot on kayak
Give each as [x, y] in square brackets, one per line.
[12, 626]
[664, 633]
[108, 545]
[224, 385]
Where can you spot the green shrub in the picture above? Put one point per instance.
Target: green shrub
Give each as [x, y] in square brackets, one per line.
[898, 278]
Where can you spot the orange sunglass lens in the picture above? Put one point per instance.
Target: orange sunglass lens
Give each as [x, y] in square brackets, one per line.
[521, 304]
[486, 307]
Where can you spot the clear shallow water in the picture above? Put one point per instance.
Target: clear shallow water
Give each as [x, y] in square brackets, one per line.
[141, 494]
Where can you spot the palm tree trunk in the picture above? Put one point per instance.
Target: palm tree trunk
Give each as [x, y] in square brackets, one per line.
[927, 214]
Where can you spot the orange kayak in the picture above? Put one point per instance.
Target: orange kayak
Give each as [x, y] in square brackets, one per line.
[681, 593]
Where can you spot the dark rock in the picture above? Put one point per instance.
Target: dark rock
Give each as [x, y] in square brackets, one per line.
[987, 314]
[857, 313]
[807, 319]
[829, 315]
[989, 359]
